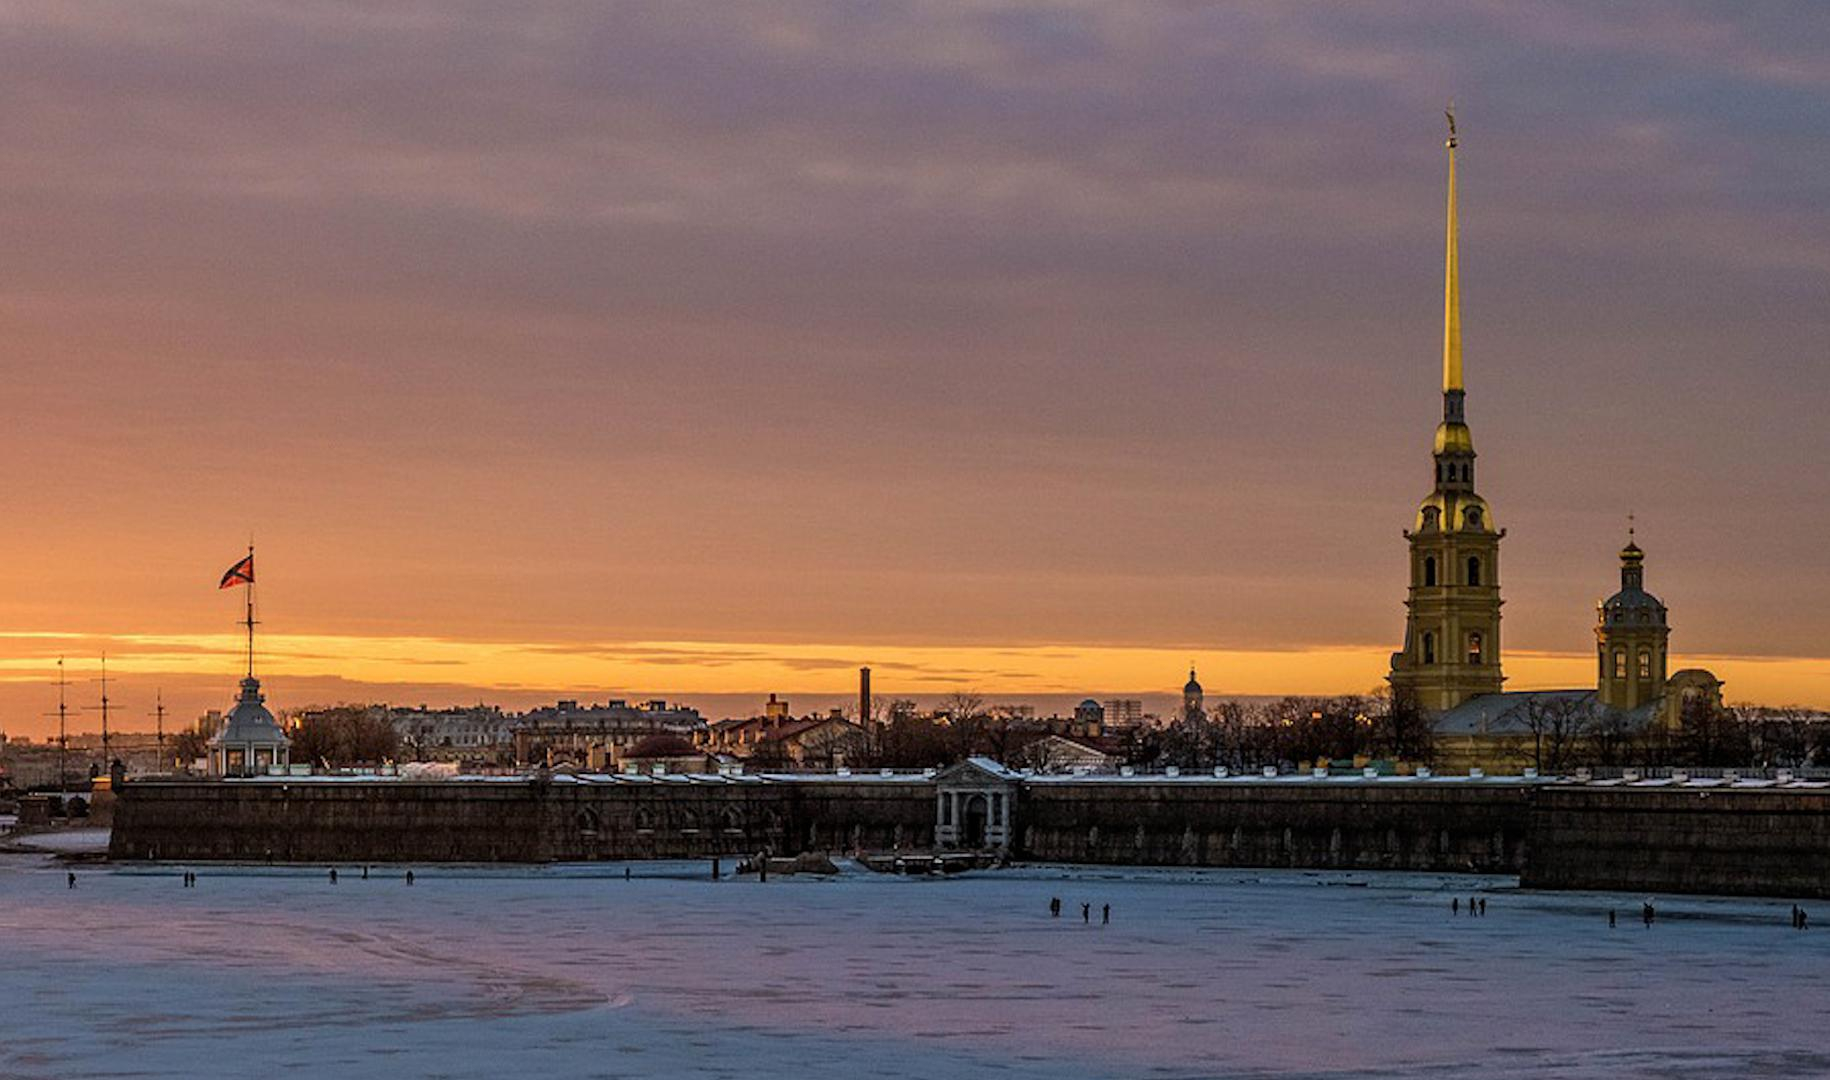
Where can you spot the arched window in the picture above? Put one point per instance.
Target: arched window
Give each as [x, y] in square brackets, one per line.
[1645, 663]
[1620, 663]
[1474, 648]
[1472, 518]
[1429, 570]
[1474, 570]
[1429, 648]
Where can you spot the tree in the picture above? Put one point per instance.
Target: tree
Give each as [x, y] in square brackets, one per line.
[1611, 736]
[1558, 725]
[1787, 735]
[189, 745]
[1709, 735]
[1238, 742]
[966, 721]
[1402, 729]
[344, 735]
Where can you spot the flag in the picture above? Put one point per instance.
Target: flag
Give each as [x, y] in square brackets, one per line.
[242, 573]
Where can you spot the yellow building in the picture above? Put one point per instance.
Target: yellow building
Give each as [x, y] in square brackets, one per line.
[1633, 693]
[1452, 624]
[1450, 665]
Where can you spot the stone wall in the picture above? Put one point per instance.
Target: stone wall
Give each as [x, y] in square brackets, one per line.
[1770, 842]
[1472, 828]
[510, 821]
[1651, 839]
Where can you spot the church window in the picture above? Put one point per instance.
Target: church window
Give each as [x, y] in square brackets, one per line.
[1474, 570]
[1474, 648]
[1645, 664]
[1429, 648]
[1429, 570]
[1620, 663]
[1473, 517]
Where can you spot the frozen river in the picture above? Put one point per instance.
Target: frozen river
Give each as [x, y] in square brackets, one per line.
[575, 972]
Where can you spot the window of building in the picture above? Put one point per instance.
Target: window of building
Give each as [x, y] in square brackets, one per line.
[1429, 570]
[1473, 517]
[1474, 570]
[1620, 663]
[1474, 648]
[1645, 664]
[1429, 648]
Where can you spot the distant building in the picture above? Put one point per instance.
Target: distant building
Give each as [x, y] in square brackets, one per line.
[1123, 714]
[1194, 699]
[1089, 718]
[596, 736]
[667, 753]
[825, 741]
[1065, 754]
[475, 731]
[775, 708]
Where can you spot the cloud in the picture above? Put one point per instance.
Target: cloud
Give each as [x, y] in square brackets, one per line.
[974, 323]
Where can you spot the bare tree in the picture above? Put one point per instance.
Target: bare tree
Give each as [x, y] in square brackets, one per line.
[1558, 726]
[1237, 740]
[1784, 735]
[1611, 736]
[966, 722]
[1402, 728]
[1710, 735]
[344, 735]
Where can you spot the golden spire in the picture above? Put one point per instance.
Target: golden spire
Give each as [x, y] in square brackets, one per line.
[1451, 301]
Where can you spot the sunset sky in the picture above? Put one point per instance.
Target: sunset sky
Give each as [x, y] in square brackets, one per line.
[701, 350]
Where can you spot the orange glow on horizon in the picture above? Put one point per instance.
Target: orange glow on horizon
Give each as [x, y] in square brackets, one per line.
[382, 668]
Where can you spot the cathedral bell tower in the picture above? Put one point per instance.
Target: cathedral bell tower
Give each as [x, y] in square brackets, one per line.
[1452, 627]
[1631, 633]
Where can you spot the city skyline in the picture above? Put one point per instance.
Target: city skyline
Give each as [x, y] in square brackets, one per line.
[989, 363]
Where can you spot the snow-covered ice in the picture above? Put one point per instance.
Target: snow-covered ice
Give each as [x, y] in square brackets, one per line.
[575, 972]
[68, 841]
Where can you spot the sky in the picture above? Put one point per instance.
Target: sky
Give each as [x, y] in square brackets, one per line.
[682, 348]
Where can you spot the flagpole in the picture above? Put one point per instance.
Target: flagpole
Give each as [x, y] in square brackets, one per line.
[249, 594]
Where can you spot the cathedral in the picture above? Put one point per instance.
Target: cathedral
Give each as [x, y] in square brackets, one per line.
[1450, 663]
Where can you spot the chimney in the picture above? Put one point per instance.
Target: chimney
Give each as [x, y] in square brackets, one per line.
[864, 696]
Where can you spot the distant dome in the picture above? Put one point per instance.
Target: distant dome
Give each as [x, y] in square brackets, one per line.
[1089, 704]
[1632, 604]
[1191, 686]
[662, 745]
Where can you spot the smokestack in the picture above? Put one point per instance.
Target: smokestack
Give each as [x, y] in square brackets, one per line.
[864, 695]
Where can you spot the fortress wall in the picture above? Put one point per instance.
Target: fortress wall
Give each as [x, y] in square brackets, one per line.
[1650, 840]
[510, 821]
[1762, 842]
[1435, 827]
